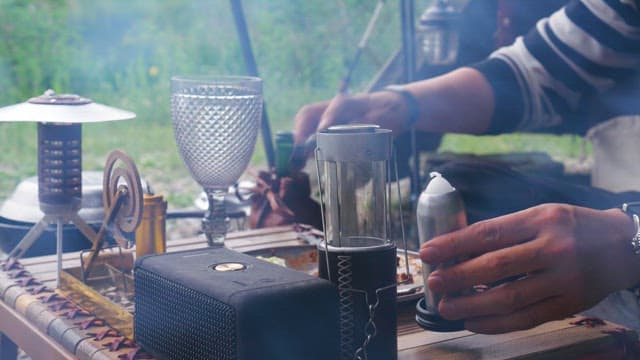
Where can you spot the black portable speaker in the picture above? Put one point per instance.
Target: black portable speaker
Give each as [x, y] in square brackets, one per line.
[221, 304]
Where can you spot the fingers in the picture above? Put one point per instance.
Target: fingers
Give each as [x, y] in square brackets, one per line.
[489, 268]
[501, 300]
[381, 108]
[342, 109]
[307, 120]
[345, 109]
[481, 237]
[554, 308]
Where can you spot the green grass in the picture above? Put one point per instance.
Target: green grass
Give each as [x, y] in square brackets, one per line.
[152, 147]
[17, 155]
[557, 146]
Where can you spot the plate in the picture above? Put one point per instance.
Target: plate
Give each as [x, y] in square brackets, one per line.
[305, 258]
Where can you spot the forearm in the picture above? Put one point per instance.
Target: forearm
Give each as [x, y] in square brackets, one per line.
[458, 102]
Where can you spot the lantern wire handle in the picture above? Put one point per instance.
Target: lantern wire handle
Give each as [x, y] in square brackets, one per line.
[324, 223]
[404, 239]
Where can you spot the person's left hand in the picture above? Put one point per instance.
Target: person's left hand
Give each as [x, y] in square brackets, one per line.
[565, 258]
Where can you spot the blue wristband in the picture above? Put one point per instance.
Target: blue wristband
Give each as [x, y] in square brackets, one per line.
[410, 101]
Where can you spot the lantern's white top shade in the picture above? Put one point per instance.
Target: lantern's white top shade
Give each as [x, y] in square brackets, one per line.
[62, 109]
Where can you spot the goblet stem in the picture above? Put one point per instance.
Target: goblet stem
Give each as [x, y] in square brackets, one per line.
[215, 222]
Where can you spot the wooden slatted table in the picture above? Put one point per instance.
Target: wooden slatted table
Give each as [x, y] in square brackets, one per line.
[564, 339]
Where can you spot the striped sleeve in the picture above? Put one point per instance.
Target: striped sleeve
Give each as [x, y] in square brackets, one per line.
[585, 48]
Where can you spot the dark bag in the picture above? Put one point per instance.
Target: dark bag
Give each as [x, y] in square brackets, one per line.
[283, 200]
[491, 188]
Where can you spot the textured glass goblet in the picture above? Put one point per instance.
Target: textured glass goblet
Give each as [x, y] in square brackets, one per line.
[215, 124]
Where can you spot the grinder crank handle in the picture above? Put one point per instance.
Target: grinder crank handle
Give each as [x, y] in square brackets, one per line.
[121, 193]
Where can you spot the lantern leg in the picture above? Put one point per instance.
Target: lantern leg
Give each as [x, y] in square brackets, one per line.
[28, 240]
[59, 240]
[84, 228]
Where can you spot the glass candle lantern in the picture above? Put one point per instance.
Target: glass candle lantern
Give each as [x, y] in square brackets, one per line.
[359, 255]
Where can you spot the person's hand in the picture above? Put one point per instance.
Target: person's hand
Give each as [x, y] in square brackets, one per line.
[565, 258]
[383, 108]
[307, 120]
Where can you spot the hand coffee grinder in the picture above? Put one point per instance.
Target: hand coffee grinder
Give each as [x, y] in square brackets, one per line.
[358, 254]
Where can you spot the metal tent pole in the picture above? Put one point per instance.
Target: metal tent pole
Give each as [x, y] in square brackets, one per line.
[409, 57]
[252, 69]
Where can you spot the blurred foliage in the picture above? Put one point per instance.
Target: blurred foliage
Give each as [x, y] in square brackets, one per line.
[123, 53]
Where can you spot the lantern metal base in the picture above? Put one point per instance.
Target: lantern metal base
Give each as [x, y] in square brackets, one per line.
[434, 322]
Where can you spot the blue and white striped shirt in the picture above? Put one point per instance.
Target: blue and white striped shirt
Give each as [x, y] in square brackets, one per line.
[585, 48]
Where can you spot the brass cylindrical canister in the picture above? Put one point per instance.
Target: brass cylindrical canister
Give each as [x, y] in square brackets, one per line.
[151, 233]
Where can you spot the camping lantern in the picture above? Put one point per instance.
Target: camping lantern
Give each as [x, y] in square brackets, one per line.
[359, 255]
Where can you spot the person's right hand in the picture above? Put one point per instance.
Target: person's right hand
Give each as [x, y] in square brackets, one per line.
[566, 259]
[383, 108]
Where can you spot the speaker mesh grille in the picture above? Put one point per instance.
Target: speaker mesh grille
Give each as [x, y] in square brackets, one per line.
[175, 322]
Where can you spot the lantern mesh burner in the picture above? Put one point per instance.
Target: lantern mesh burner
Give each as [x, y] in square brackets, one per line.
[59, 167]
[59, 184]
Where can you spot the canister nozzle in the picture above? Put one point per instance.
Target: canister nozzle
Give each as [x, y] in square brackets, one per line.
[438, 185]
